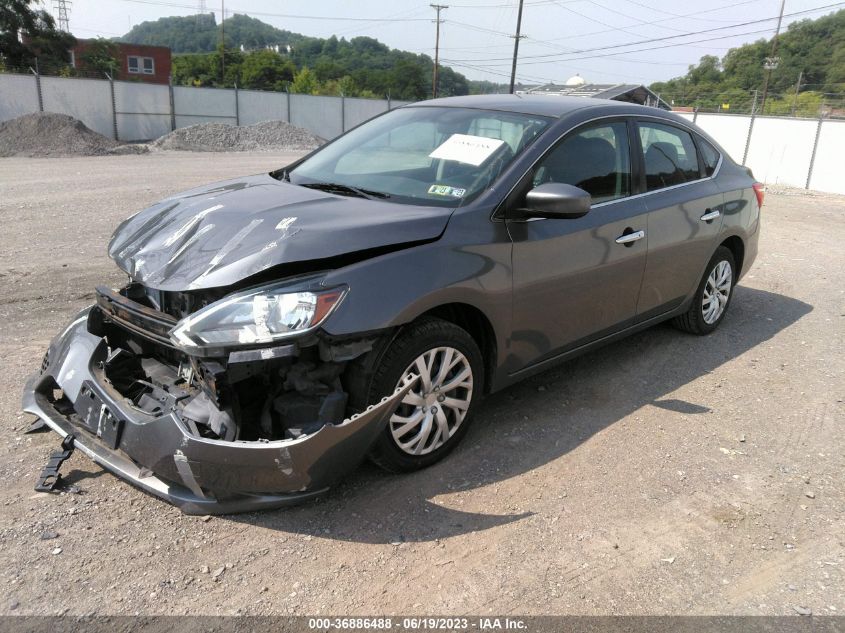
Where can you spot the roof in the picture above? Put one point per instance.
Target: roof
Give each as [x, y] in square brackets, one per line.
[540, 105]
[633, 93]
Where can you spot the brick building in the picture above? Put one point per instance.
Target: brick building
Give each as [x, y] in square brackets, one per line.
[138, 62]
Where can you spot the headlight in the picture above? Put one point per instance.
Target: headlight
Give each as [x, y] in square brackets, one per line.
[255, 317]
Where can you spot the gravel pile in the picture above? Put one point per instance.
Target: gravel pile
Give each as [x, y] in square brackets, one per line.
[49, 134]
[221, 137]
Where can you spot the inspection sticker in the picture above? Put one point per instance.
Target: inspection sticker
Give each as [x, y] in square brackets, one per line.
[446, 190]
[464, 148]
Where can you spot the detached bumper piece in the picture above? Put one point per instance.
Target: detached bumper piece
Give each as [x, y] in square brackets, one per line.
[50, 479]
[161, 452]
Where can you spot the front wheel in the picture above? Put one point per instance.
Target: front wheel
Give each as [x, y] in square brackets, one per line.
[435, 415]
[712, 297]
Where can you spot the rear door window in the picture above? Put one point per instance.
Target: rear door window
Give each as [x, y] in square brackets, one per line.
[710, 155]
[669, 156]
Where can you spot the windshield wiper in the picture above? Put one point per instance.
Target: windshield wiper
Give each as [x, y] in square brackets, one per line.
[346, 190]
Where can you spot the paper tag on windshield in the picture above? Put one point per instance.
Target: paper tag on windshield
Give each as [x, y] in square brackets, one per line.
[463, 148]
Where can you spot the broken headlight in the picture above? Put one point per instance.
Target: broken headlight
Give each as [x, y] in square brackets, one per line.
[255, 317]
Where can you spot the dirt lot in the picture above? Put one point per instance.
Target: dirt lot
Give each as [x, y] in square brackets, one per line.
[666, 474]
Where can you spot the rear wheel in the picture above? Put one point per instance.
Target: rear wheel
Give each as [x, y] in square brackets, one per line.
[713, 296]
[434, 416]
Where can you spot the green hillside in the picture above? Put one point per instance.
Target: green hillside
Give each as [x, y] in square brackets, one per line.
[359, 66]
[813, 49]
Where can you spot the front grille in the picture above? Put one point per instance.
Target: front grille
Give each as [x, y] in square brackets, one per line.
[140, 319]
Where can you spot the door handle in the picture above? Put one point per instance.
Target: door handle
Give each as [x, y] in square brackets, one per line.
[711, 214]
[630, 238]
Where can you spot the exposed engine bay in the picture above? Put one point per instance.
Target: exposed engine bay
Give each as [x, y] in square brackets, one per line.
[262, 394]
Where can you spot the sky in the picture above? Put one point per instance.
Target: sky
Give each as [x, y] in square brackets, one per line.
[605, 41]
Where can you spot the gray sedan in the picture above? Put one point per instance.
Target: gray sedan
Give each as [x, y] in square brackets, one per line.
[277, 329]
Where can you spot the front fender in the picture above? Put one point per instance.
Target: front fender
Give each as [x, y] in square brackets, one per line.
[470, 264]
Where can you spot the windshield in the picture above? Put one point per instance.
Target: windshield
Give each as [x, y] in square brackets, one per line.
[421, 155]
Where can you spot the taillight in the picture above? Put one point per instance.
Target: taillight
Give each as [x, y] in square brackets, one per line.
[760, 193]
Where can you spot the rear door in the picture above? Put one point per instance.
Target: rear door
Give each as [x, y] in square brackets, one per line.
[575, 280]
[684, 214]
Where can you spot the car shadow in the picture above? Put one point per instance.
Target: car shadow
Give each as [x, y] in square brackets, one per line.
[576, 400]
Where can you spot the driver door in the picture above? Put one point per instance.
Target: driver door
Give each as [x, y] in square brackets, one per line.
[577, 280]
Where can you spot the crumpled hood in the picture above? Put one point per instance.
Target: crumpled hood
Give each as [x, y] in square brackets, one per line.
[217, 235]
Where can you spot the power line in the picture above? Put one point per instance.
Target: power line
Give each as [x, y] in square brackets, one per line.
[636, 50]
[669, 37]
[655, 22]
[689, 15]
[282, 15]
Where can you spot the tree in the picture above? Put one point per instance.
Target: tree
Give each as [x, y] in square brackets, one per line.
[305, 82]
[100, 55]
[39, 35]
[266, 70]
[408, 81]
[375, 68]
[811, 49]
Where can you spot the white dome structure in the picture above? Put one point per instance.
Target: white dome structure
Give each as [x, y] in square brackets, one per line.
[577, 80]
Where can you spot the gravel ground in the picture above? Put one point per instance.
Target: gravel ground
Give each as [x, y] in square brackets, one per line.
[47, 134]
[666, 474]
[220, 137]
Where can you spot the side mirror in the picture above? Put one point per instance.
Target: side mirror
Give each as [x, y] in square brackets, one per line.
[556, 200]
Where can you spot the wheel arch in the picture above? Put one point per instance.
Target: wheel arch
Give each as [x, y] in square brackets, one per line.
[477, 325]
[736, 246]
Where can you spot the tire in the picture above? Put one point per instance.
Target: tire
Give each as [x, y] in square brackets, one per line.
[430, 339]
[702, 318]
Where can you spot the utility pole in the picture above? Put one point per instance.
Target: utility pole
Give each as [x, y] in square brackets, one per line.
[222, 40]
[61, 14]
[516, 39]
[772, 61]
[797, 90]
[434, 78]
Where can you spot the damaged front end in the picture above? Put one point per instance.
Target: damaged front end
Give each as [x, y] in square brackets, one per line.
[209, 405]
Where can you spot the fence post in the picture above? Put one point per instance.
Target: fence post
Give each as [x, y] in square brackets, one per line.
[172, 105]
[748, 140]
[695, 114]
[113, 105]
[342, 113]
[388, 102]
[815, 147]
[38, 85]
[287, 92]
[237, 106]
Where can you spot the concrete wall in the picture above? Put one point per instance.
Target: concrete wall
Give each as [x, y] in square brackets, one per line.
[317, 114]
[143, 111]
[255, 106]
[18, 96]
[203, 105]
[780, 149]
[356, 111]
[89, 100]
[729, 130]
[827, 169]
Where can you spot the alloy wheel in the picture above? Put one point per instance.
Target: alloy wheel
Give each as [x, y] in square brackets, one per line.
[717, 291]
[431, 413]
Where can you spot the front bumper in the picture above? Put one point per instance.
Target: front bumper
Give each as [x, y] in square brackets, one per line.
[161, 456]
